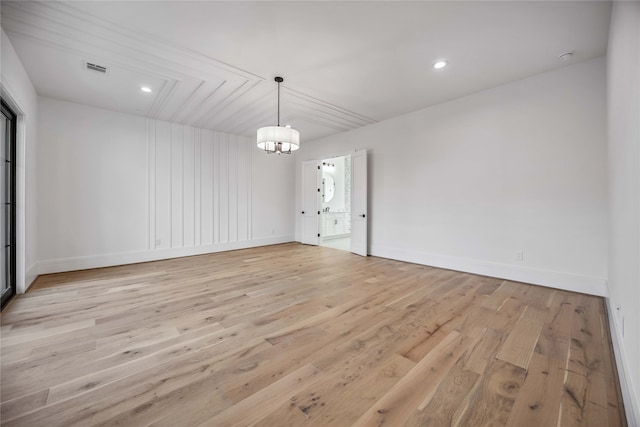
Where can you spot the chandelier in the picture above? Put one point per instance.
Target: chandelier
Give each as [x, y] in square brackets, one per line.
[278, 139]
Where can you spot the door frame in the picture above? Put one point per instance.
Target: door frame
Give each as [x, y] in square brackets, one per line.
[22, 281]
[319, 159]
[8, 112]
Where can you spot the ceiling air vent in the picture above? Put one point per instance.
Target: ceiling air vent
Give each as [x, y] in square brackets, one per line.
[95, 67]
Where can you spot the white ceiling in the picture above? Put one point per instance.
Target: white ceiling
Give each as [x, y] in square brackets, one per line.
[345, 64]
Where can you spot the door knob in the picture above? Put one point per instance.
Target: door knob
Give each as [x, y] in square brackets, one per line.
[302, 212]
[362, 215]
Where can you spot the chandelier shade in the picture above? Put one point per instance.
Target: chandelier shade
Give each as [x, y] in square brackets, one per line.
[278, 139]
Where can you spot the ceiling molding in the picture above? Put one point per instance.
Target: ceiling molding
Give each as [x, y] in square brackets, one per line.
[190, 100]
[329, 115]
[65, 28]
[211, 64]
[64, 19]
[209, 114]
[323, 123]
[196, 102]
[363, 120]
[239, 120]
[198, 90]
[162, 98]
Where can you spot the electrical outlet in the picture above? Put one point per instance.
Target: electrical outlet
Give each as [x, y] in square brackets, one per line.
[519, 255]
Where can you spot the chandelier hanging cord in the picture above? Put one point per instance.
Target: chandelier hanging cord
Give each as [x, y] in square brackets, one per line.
[279, 80]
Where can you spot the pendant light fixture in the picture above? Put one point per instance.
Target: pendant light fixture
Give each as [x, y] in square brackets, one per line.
[278, 139]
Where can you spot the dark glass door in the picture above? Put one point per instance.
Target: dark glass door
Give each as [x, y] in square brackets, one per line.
[8, 204]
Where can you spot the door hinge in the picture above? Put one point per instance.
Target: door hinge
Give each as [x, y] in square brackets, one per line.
[318, 212]
[318, 190]
[318, 167]
[318, 234]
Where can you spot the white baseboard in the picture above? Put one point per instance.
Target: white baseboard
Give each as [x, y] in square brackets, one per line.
[553, 279]
[629, 395]
[30, 276]
[108, 260]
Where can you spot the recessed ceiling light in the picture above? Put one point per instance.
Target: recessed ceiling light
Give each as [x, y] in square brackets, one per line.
[145, 89]
[439, 64]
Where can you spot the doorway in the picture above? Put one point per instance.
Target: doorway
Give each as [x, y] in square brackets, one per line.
[335, 220]
[8, 128]
[316, 213]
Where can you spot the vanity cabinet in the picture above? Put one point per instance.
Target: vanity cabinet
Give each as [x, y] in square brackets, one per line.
[336, 224]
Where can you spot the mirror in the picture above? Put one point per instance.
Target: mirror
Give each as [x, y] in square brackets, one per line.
[328, 188]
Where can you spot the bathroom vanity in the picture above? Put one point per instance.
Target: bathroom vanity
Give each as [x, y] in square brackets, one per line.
[336, 224]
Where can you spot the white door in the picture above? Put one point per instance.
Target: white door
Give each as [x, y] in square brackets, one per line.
[310, 211]
[359, 215]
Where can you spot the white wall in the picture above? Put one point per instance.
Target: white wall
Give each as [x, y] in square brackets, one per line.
[623, 77]
[116, 188]
[467, 183]
[20, 94]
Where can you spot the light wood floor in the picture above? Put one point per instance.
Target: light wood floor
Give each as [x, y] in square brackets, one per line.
[292, 335]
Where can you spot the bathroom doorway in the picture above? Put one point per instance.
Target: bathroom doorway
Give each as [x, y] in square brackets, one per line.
[335, 220]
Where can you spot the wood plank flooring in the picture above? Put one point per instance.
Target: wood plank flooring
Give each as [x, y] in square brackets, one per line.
[293, 335]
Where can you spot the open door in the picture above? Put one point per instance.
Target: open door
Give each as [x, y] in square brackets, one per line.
[310, 202]
[359, 215]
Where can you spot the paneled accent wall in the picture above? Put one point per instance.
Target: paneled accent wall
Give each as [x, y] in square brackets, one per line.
[117, 189]
[199, 187]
